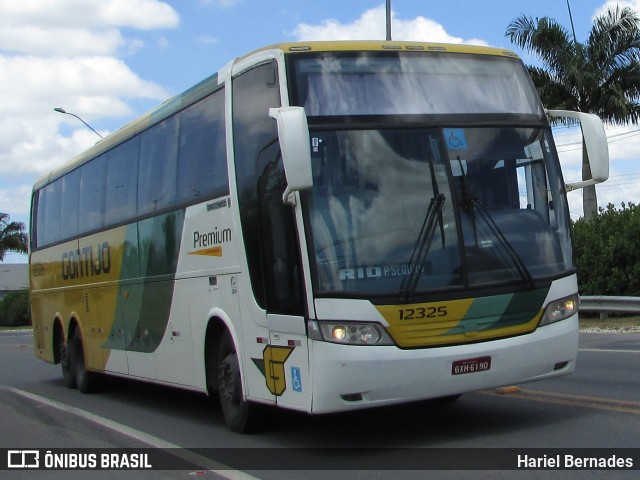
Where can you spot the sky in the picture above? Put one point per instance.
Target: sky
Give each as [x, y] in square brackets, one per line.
[109, 61]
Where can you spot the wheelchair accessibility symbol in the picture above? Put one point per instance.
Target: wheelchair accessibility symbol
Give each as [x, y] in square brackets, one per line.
[296, 381]
[455, 138]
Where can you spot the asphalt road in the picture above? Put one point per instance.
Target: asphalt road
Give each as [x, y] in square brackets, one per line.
[596, 407]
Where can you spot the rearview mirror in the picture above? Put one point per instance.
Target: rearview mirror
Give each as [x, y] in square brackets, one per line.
[595, 142]
[293, 132]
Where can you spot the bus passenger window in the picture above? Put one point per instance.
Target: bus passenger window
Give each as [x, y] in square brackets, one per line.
[158, 167]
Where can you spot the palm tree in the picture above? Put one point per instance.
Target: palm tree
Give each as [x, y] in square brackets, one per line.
[13, 237]
[601, 76]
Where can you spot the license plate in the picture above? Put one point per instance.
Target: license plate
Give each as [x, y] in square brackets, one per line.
[471, 365]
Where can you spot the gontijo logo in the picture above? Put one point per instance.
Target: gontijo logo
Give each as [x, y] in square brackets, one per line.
[86, 261]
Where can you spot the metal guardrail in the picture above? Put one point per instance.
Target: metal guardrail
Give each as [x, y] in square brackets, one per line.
[605, 305]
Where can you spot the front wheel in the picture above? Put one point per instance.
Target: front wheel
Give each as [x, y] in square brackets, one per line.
[65, 362]
[239, 414]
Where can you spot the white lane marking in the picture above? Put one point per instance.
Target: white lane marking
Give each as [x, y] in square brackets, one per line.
[151, 440]
[607, 350]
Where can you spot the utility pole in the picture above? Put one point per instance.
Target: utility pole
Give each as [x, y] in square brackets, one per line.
[573, 29]
[389, 20]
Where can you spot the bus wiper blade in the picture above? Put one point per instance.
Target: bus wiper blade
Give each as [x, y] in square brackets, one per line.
[513, 255]
[423, 245]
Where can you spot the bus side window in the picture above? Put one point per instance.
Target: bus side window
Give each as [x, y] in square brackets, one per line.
[157, 186]
[259, 176]
[69, 204]
[121, 182]
[279, 245]
[37, 235]
[202, 150]
[92, 186]
[52, 211]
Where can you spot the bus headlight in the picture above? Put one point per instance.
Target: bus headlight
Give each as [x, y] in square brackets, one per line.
[560, 309]
[350, 333]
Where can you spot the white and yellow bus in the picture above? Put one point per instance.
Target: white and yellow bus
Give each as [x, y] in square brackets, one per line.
[320, 226]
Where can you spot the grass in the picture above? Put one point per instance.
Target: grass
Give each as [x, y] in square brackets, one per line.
[4, 329]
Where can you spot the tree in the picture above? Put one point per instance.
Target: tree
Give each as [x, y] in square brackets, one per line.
[601, 76]
[14, 309]
[13, 237]
[607, 249]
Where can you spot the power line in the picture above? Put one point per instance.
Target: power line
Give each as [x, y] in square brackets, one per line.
[626, 176]
[610, 139]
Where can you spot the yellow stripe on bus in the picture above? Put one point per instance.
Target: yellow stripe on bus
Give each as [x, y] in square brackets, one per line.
[211, 252]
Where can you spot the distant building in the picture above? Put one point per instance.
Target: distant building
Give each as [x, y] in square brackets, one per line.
[13, 276]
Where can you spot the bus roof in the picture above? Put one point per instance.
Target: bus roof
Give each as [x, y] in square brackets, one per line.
[212, 83]
[384, 46]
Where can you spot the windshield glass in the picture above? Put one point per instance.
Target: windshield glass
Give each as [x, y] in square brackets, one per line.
[410, 211]
[368, 83]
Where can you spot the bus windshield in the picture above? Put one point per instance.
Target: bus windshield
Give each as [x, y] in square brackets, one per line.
[432, 173]
[412, 83]
[417, 210]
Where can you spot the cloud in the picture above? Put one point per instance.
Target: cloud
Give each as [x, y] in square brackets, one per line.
[18, 196]
[634, 4]
[29, 39]
[66, 53]
[624, 143]
[138, 14]
[206, 39]
[221, 3]
[372, 25]
[92, 87]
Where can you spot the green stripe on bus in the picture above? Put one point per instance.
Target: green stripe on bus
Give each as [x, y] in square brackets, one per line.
[151, 251]
[501, 311]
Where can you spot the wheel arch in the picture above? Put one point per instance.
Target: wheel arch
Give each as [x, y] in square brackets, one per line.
[218, 324]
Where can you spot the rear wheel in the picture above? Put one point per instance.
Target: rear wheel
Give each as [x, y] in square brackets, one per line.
[83, 378]
[239, 414]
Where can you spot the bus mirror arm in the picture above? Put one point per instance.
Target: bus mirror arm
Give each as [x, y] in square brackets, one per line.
[578, 185]
[293, 133]
[595, 144]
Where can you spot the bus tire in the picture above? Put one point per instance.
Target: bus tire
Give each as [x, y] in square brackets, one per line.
[65, 362]
[239, 414]
[83, 378]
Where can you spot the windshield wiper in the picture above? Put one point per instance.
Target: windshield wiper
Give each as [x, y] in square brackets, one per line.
[495, 229]
[425, 238]
[423, 245]
[472, 204]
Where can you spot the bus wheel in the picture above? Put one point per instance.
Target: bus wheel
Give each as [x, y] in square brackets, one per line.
[83, 378]
[65, 362]
[239, 414]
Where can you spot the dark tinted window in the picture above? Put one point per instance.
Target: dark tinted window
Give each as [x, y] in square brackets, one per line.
[52, 208]
[179, 161]
[39, 208]
[267, 224]
[92, 194]
[70, 204]
[202, 157]
[122, 177]
[158, 167]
